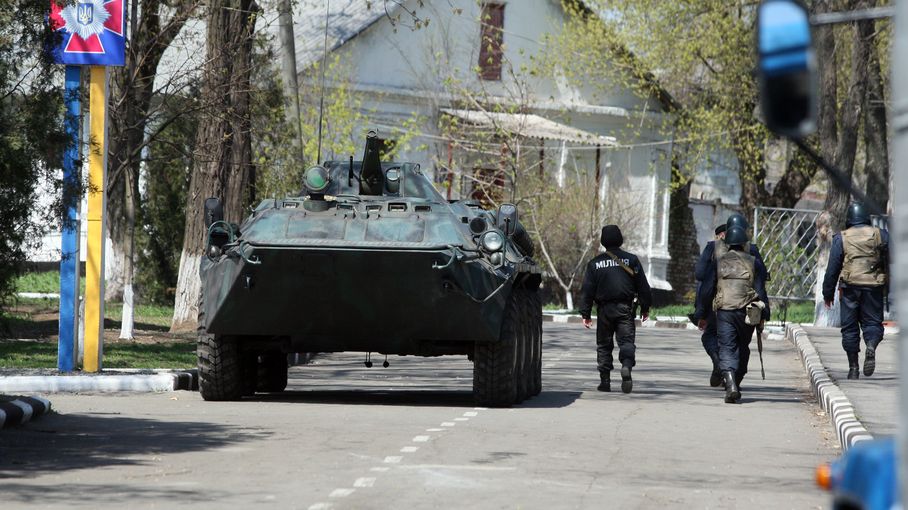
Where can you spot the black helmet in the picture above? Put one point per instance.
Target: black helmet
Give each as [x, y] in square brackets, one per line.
[736, 220]
[857, 215]
[735, 235]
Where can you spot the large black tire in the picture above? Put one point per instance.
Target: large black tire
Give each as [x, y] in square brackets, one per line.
[272, 372]
[495, 363]
[525, 353]
[220, 368]
[536, 339]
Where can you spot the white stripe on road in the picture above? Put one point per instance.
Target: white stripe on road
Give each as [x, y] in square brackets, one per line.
[471, 413]
[434, 430]
[321, 506]
[394, 459]
[461, 419]
[379, 469]
[364, 482]
[409, 449]
[447, 424]
[420, 439]
[341, 493]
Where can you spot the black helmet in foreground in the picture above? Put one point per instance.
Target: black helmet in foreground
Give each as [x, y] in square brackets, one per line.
[736, 220]
[857, 215]
[735, 235]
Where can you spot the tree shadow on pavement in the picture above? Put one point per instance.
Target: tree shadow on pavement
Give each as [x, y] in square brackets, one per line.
[407, 397]
[59, 443]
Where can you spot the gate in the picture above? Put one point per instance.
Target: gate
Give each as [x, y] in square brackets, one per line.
[787, 239]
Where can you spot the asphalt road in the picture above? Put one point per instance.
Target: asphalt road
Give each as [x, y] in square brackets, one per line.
[408, 437]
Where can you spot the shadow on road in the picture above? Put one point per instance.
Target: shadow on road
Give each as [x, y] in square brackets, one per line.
[92, 441]
[408, 397]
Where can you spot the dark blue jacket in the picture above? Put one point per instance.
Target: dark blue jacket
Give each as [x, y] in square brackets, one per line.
[837, 258]
[705, 272]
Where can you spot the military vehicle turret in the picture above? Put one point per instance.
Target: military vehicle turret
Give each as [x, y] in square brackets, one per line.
[369, 258]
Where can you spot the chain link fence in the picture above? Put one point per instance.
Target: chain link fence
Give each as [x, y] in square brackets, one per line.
[787, 239]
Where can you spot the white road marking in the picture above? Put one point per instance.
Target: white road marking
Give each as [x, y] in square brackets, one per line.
[341, 493]
[458, 467]
[409, 449]
[447, 424]
[393, 459]
[481, 408]
[420, 439]
[471, 413]
[321, 506]
[379, 469]
[434, 430]
[364, 482]
[461, 419]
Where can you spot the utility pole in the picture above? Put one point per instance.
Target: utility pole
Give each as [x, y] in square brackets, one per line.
[900, 224]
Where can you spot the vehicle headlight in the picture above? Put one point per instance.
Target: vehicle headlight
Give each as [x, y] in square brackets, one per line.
[491, 241]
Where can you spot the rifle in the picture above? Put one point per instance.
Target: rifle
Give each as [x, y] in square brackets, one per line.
[760, 349]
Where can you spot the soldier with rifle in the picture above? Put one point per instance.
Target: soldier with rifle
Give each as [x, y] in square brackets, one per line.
[858, 263]
[734, 286]
[705, 318]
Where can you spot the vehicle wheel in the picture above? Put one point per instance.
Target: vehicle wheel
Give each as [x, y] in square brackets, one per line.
[220, 367]
[525, 354]
[536, 338]
[272, 372]
[495, 363]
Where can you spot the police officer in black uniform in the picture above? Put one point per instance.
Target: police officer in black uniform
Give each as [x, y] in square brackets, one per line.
[706, 318]
[735, 283]
[858, 263]
[612, 281]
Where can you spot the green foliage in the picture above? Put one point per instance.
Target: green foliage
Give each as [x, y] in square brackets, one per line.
[45, 282]
[14, 354]
[30, 137]
[168, 169]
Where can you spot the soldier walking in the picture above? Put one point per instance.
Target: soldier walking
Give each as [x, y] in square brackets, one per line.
[735, 283]
[705, 319]
[612, 281]
[858, 262]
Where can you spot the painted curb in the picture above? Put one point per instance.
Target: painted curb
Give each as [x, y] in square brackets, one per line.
[832, 399]
[21, 410]
[159, 382]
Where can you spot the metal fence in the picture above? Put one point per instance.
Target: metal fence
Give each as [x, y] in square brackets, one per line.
[787, 239]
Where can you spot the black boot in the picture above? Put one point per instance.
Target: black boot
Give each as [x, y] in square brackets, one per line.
[627, 384]
[854, 369]
[715, 378]
[870, 359]
[605, 383]
[732, 393]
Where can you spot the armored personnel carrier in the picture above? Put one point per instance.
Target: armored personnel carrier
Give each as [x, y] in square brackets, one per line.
[369, 258]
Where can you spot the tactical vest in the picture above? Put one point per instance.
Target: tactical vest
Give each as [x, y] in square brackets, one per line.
[734, 277]
[863, 265]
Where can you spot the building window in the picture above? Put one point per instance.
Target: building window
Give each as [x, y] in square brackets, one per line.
[490, 40]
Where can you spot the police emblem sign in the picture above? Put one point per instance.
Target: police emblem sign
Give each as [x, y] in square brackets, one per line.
[91, 32]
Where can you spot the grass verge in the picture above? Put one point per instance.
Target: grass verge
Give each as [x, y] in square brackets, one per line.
[43, 354]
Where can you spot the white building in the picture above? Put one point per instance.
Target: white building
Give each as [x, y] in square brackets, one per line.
[406, 74]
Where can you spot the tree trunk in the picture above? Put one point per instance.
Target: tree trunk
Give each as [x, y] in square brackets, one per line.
[132, 88]
[837, 197]
[825, 317]
[875, 132]
[223, 143]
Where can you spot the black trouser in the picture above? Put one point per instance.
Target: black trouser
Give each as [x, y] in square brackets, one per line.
[710, 337]
[862, 311]
[615, 319]
[734, 341]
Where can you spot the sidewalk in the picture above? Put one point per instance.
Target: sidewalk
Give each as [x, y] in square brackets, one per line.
[859, 409]
[875, 398]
